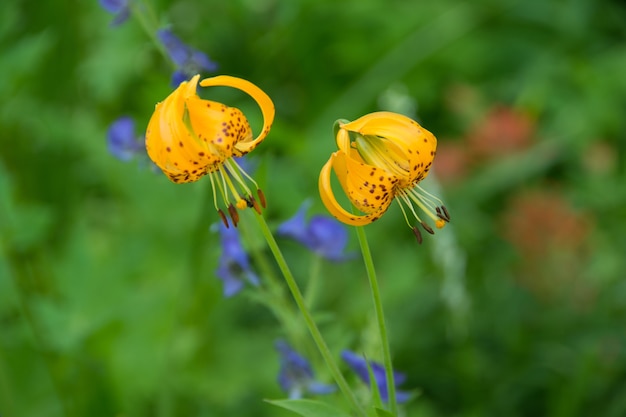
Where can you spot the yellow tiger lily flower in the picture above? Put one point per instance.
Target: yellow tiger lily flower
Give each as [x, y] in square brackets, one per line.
[189, 137]
[382, 156]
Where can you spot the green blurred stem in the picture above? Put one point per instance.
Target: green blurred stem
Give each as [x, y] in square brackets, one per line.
[149, 22]
[314, 279]
[308, 318]
[380, 318]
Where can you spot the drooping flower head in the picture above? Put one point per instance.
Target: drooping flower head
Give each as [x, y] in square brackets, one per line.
[189, 137]
[322, 235]
[119, 8]
[122, 140]
[188, 61]
[296, 376]
[234, 267]
[358, 364]
[382, 156]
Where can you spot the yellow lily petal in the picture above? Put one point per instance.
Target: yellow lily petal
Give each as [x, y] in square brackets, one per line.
[416, 144]
[169, 142]
[219, 127]
[370, 189]
[262, 99]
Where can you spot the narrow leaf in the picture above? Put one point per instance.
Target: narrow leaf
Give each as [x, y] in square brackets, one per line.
[383, 413]
[310, 408]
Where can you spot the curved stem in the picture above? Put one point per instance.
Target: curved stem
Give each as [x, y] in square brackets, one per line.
[149, 22]
[380, 318]
[308, 318]
[314, 278]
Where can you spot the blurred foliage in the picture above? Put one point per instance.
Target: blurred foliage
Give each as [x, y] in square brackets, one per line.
[108, 302]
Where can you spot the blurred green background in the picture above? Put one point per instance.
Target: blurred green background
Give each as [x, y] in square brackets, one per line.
[108, 301]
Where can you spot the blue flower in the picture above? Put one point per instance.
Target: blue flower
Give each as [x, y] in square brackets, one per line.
[122, 141]
[296, 376]
[359, 365]
[188, 61]
[234, 266]
[117, 7]
[322, 235]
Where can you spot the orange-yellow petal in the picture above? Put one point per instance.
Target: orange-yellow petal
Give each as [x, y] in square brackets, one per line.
[169, 143]
[416, 144]
[368, 188]
[265, 103]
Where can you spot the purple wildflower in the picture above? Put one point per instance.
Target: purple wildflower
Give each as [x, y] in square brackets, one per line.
[322, 235]
[122, 141]
[296, 376]
[359, 365]
[188, 61]
[234, 266]
[119, 8]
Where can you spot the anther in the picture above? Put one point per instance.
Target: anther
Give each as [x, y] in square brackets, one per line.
[428, 228]
[223, 217]
[261, 197]
[440, 214]
[445, 211]
[253, 204]
[417, 234]
[233, 214]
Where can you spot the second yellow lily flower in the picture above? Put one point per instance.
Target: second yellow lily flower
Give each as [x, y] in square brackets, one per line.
[382, 156]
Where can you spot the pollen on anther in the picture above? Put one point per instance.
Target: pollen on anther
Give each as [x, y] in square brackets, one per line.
[418, 234]
[261, 198]
[223, 217]
[233, 214]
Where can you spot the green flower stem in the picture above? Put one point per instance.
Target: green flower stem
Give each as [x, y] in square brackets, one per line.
[149, 22]
[315, 333]
[314, 279]
[380, 318]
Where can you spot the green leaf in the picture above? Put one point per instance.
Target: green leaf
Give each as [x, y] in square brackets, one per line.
[376, 400]
[383, 413]
[310, 408]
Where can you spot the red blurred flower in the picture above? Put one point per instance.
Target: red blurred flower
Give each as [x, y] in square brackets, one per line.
[453, 161]
[501, 132]
[552, 241]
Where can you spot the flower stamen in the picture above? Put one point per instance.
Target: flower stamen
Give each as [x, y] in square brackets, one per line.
[261, 198]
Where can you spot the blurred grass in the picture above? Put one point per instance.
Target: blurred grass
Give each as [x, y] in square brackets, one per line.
[108, 301]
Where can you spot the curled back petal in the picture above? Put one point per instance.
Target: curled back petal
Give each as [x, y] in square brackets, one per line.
[262, 99]
[218, 128]
[370, 189]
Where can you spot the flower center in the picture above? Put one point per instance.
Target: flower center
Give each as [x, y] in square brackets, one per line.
[382, 153]
[230, 180]
[428, 203]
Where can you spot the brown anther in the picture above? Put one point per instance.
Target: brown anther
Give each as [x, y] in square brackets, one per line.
[253, 204]
[445, 211]
[261, 198]
[233, 214]
[417, 234]
[223, 217]
[256, 206]
[428, 228]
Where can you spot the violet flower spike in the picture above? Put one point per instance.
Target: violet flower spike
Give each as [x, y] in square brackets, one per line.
[234, 267]
[358, 364]
[322, 235]
[188, 61]
[296, 376]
